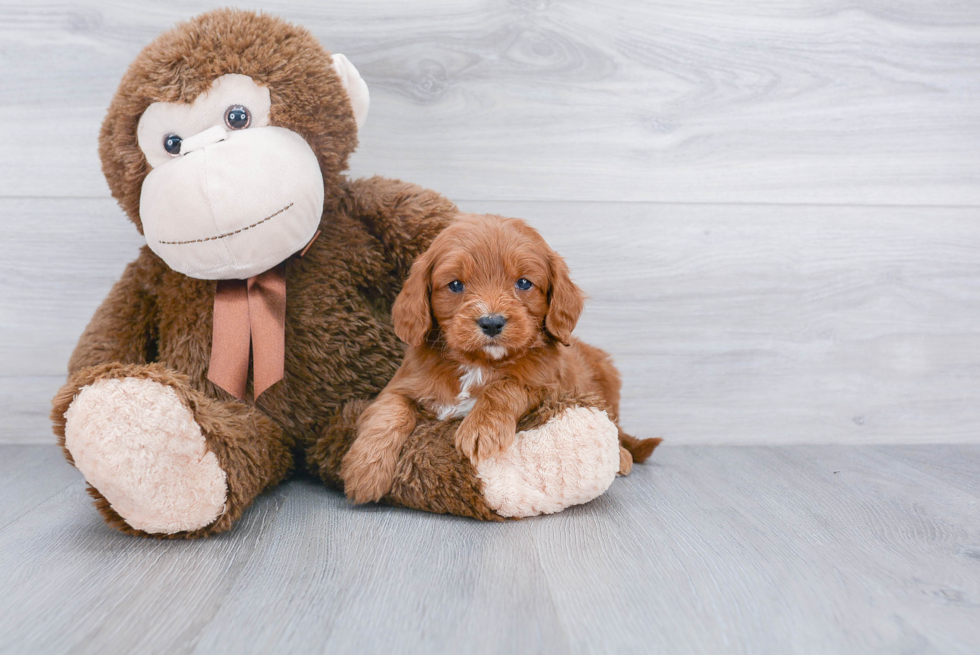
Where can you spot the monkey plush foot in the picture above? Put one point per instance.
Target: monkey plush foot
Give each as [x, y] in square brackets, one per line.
[140, 447]
[569, 460]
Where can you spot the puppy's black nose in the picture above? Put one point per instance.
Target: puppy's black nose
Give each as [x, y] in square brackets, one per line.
[491, 324]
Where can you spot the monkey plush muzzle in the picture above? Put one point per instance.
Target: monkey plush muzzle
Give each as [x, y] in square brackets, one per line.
[233, 204]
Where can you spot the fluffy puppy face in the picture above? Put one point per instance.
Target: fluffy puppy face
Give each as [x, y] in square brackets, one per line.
[487, 289]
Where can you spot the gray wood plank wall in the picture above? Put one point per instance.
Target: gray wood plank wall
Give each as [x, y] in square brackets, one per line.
[774, 206]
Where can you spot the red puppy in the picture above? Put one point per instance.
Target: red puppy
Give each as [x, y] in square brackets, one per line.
[488, 311]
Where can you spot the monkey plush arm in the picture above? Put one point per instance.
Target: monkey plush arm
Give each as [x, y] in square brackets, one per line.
[122, 329]
[403, 217]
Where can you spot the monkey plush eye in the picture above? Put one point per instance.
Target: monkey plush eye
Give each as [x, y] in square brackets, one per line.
[455, 286]
[523, 284]
[237, 117]
[171, 143]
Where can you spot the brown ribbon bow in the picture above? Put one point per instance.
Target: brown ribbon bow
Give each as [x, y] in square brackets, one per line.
[249, 311]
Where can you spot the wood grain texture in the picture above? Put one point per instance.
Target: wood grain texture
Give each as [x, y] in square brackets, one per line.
[31, 476]
[787, 101]
[816, 549]
[25, 405]
[730, 324]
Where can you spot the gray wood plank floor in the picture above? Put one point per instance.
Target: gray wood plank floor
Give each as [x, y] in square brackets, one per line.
[793, 549]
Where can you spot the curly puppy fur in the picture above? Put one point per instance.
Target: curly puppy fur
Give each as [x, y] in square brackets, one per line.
[341, 348]
[488, 311]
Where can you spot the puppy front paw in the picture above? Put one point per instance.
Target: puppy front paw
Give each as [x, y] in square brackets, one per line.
[367, 474]
[479, 438]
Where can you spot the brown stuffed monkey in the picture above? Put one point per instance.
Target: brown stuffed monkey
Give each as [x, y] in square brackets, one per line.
[226, 144]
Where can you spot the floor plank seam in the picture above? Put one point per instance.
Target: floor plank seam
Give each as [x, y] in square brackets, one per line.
[13, 520]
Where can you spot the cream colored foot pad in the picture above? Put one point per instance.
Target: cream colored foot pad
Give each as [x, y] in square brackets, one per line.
[569, 460]
[136, 443]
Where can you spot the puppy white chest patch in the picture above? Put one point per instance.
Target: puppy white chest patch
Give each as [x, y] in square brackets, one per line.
[471, 377]
[459, 410]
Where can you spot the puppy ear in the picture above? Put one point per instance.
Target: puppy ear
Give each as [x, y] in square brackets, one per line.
[412, 313]
[565, 301]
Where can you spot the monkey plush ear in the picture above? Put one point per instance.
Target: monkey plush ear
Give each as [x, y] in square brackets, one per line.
[357, 89]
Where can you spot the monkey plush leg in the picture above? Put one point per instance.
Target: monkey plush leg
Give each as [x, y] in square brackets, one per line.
[566, 453]
[161, 458]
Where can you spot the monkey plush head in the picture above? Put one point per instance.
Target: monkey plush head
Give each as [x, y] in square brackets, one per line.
[226, 136]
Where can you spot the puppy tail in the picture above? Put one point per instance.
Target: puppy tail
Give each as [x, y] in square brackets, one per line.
[640, 449]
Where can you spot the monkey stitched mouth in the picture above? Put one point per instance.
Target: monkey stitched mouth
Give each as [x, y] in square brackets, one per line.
[228, 234]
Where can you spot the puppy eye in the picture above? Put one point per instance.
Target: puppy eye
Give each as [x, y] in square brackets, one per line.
[455, 286]
[171, 143]
[237, 117]
[523, 284]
